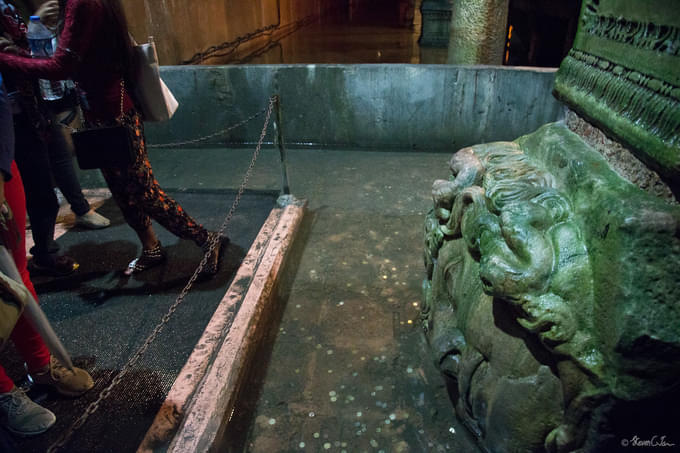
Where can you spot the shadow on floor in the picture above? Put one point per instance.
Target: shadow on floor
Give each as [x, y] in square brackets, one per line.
[104, 317]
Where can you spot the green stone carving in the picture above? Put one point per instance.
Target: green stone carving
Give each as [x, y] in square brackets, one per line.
[623, 74]
[552, 295]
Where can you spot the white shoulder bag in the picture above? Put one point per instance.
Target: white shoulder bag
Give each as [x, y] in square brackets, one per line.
[157, 101]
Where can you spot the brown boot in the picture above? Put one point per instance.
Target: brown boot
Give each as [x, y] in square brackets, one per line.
[64, 381]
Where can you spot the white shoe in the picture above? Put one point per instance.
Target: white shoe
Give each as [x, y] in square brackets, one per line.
[20, 415]
[92, 220]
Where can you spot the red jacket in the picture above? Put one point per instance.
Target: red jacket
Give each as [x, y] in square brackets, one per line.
[85, 54]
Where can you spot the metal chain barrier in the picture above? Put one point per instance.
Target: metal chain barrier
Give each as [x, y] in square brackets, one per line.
[94, 406]
[283, 31]
[228, 48]
[208, 137]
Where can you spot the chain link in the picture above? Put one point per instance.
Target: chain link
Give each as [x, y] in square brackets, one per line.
[173, 144]
[212, 51]
[208, 137]
[94, 406]
[81, 115]
[228, 48]
[122, 98]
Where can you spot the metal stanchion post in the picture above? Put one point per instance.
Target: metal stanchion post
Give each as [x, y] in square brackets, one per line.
[285, 187]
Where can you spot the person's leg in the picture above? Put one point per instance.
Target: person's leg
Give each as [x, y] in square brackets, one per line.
[16, 199]
[124, 194]
[11, 195]
[26, 339]
[155, 202]
[167, 212]
[66, 179]
[42, 367]
[18, 413]
[6, 384]
[64, 173]
[141, 198]
[41, 202]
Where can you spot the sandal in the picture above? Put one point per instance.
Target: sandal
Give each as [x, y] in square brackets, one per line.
[213, 247]
[148, 259]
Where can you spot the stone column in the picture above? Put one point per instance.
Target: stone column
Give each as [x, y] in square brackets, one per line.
[436, 22]
[478, 31]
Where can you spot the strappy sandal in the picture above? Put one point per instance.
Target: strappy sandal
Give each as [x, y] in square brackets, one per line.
[213, 263]
[148, 259]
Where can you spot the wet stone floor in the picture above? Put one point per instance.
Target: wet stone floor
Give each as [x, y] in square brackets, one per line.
[350, 371]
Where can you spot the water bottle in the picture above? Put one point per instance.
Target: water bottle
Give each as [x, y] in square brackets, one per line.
[43, 43]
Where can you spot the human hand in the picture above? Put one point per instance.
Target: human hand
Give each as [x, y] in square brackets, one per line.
[49, 13]
[7, 45]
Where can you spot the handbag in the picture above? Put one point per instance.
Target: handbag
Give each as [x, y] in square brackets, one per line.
[105, 146]
[156, 101]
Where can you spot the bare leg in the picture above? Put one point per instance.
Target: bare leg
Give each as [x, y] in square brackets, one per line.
[148, 238]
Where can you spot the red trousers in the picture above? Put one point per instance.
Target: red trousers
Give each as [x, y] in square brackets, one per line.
[26, 339]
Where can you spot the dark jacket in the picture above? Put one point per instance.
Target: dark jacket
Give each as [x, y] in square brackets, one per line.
[24, 90]
[6, 134]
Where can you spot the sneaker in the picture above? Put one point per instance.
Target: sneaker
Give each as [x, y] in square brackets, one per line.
[92, 220]
[20, 415]
[59, 266]
[63, 380]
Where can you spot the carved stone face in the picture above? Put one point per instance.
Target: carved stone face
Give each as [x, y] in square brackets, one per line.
[508, 288]
[540, 294]
[508, 391]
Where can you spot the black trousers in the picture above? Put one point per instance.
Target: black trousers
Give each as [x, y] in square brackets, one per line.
[32, 158]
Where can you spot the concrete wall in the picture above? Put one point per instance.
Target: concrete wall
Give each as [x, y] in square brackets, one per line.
[397, 106]
[181, 28]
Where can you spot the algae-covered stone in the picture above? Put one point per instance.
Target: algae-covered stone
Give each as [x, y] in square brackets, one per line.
[552, 296]
[623, 74]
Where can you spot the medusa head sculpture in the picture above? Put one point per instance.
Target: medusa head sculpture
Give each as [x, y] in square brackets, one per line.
[507, 268]
[510, 310]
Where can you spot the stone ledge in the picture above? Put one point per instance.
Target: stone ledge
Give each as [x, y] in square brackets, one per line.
[198, 405]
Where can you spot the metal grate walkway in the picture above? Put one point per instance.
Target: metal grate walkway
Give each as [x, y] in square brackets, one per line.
[103, 317]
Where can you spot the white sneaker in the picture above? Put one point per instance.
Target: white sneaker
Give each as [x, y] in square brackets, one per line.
[92, 220]
[20, 415]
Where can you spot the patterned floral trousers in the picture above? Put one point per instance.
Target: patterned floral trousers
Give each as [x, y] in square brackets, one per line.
[141, 198]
